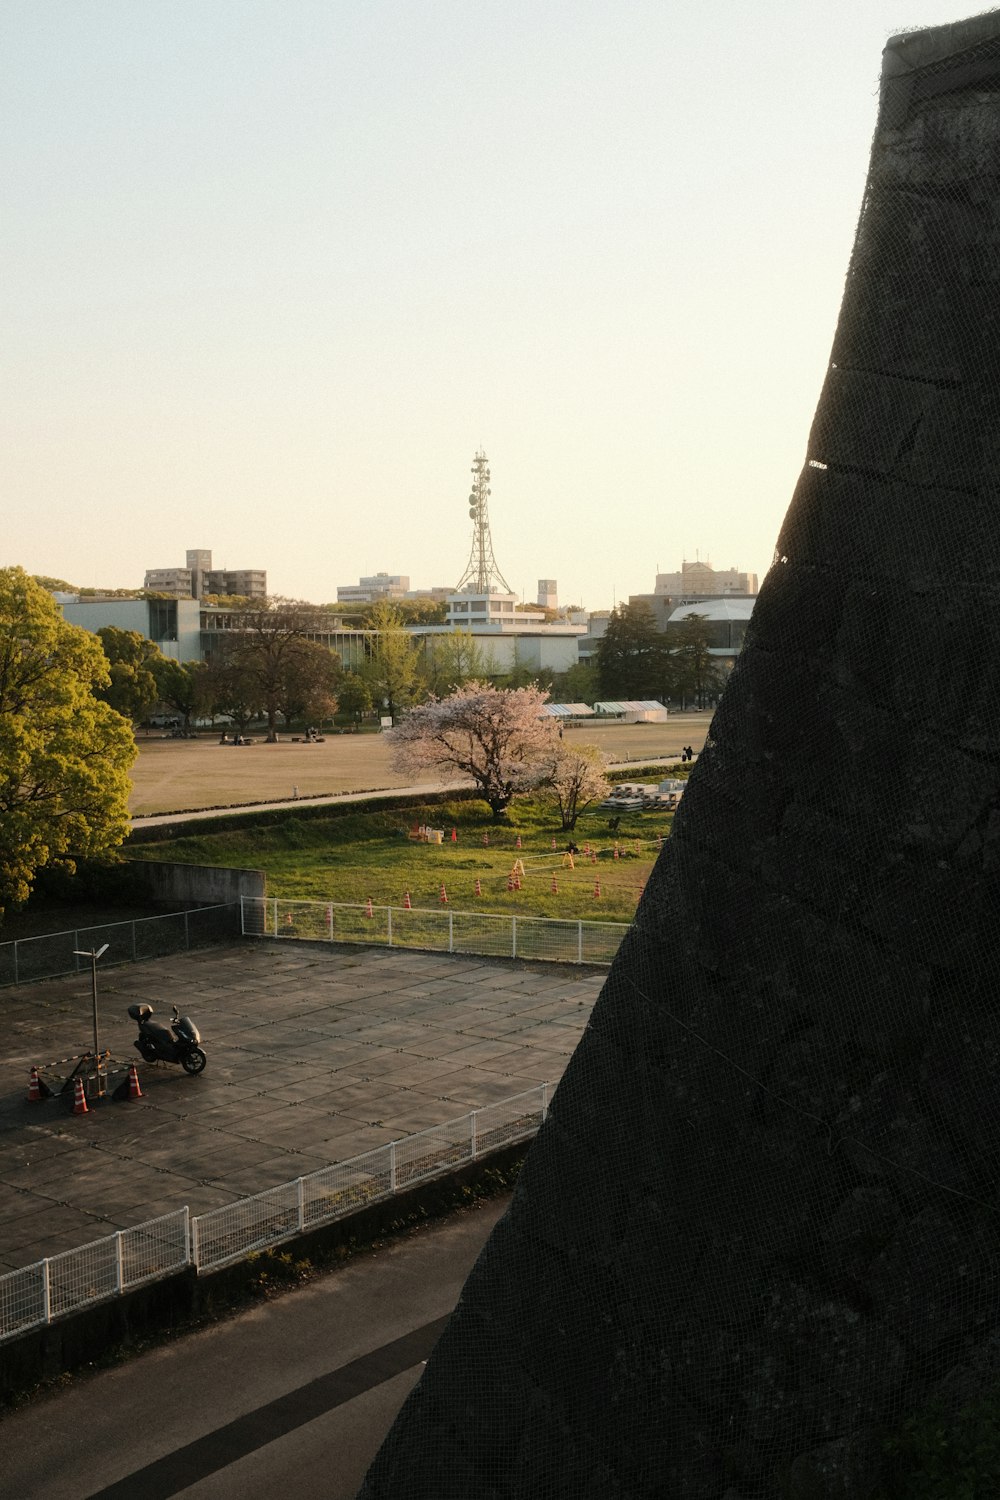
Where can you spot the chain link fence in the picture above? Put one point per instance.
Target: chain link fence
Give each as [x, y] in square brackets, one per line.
[555, 940]
[61, 1284]
[52, 955]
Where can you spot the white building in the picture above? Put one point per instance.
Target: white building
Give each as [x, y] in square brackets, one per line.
[377, 586]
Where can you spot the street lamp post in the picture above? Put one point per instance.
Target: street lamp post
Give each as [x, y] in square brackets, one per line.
[94, 954]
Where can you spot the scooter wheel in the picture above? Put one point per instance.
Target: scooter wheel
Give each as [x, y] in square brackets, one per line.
[194, 1061]
[148, 1051]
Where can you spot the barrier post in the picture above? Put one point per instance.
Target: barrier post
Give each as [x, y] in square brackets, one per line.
[472, 1134]
[388, 912]
[513, 937]
[300, 1198]
[46, 1292]
[579, 942]
[118, 1261]
[392, 1166]
[451, 931]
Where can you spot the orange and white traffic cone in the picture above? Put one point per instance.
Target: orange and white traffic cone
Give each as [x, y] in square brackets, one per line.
[586, 850]
[368, 908]
[555, 886]
[479, 889]
[616, 855]
[486, 841]
[454, 835]
[517, 882]
[597, 890]
[510, 882]
[553, 843]
[134, 1091]
[519, 841]
[79, 1098]
[443, 898]
[593, 856]
[37, 1088]
[406, 902]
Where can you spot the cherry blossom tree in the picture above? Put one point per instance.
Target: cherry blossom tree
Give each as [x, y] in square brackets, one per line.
[575, 779]
[494, 736]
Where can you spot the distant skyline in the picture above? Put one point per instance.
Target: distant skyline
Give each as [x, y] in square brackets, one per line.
[275, 269]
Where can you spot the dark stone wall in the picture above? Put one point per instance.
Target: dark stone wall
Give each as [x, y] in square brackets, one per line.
[761, 1224]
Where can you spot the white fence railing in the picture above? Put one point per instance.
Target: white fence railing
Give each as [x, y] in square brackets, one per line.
[558, 940]
[49, 1289]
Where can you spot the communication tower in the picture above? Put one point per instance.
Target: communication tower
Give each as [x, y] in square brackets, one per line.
[481, 576]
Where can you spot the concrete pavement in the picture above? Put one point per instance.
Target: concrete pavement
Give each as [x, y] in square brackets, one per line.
[316, 1054]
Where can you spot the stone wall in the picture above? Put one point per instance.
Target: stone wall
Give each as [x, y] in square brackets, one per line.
[760, 1226]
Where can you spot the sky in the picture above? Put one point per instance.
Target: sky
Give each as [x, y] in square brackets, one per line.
[274, 270]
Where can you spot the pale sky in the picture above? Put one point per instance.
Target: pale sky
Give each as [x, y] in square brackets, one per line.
[272, 270]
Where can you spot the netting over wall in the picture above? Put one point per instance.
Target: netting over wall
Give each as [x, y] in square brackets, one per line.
[761, 1225]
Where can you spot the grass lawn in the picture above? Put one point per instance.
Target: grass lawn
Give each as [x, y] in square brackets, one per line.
[370, 854]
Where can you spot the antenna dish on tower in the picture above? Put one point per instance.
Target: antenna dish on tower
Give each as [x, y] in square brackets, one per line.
[481, 576]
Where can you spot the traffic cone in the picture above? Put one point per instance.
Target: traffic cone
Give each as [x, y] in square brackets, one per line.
[79, 1098]
[616, 855]
[593, 856]
[37, 1088]
[443, 898]
[510, 882]
[638, 847]
[368, 908]
[555, 887]
[134, 1091]
[406, 903]
[586, 850]
[519, 841]
[517, 882]
[454, 835]
[569, 861]
[479, 889]
[597, 890]
[553, 843]
[486, 841]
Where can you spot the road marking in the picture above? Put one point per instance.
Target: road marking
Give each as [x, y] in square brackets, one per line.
[217, 1450]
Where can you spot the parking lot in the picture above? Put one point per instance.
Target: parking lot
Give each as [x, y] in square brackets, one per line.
[314, 1056]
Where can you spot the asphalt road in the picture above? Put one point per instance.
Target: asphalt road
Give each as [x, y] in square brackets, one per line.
[293, 1396]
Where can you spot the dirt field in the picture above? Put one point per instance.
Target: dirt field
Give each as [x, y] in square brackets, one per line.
[176, 775]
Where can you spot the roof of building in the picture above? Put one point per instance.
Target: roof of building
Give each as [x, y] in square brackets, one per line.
[732, 607]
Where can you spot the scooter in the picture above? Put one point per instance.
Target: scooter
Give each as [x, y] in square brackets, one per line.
[157, 1045]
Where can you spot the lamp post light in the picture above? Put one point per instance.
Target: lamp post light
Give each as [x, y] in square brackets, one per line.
[94, 954]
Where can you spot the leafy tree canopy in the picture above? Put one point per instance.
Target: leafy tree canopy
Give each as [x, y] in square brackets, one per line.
[133, 661]
[64, 754]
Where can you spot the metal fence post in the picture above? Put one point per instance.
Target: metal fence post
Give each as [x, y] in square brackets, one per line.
[392, 1166]
[187, 934]
[46, 1292]
[388, 912]
[579, 942]
[274, 909]
[451, 930]
[513, 937]
[243, 916]
[472, 1134]
[119, 1280]
[187, 1234]
[545, 1102]
[15, 963]
[193, 1241]
[301, 1201]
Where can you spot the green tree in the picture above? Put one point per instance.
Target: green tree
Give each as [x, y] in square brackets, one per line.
[133, 660]
[578, 684]
[354, 696]
[391, 668]
[268, 641]
[698, 675]
[64, 754]
[180, 686]
[633, 657]
[455, 658]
